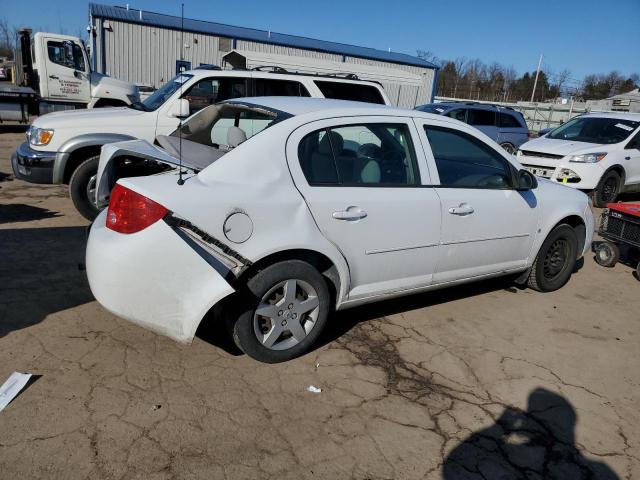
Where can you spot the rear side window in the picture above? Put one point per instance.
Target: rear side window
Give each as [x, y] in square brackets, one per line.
[349, 91]
[267, 87]
[508, 121]
[464, 161]
[481, 117]
[359, 155]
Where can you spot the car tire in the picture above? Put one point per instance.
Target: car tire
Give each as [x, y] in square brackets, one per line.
[290, 293]
[555, 261]
[82, 188]
[607, 254]
[607, 190]
[509, 147]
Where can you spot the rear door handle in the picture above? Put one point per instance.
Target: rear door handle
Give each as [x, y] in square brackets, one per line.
[462, 209]
[351, 213]
[53, 77]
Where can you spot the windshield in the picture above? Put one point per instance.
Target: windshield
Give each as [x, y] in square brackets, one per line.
[595, 130]
[157, 99]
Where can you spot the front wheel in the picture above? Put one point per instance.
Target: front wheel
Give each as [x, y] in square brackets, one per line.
[282, 313]
[607, 190]
[509, 147]
[556, 260]
[82, 188]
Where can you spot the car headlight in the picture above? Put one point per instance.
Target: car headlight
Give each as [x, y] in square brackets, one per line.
[588, 157]
[40, 136]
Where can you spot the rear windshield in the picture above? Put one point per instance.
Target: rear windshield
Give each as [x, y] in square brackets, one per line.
[595, 130]
[349, 91]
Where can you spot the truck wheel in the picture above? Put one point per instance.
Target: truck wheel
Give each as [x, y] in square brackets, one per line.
[556, 260]
[82, 188]
[607, 254]
[282, 313]
[607, 190]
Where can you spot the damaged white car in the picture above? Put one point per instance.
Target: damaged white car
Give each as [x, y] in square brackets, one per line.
[304, 206]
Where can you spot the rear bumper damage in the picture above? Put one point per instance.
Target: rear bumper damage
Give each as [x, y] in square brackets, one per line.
[159, 278]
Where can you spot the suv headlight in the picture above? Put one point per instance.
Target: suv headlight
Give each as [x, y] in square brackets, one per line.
[40, 136]
[588, 157]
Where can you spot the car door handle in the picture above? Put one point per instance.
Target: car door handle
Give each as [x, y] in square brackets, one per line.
[627, 158]
[351, 213]
[462, 209]
[53, 77]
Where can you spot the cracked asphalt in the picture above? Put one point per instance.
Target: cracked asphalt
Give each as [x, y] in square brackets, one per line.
[484, 381]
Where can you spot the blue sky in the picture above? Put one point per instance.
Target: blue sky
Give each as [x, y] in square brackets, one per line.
[583, 36]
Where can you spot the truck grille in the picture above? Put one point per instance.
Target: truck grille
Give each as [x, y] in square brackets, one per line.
[621, 227]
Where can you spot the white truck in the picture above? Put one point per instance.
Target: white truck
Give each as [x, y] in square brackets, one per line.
[57, 68]
[64, 147]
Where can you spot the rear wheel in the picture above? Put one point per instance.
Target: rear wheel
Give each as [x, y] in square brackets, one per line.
[282, 313]
[82, 188]
[607, 254]
[556, 260]
[607, 190]
[509, 147]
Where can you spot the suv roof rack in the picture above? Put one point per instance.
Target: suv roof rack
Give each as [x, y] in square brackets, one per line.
[270, 68]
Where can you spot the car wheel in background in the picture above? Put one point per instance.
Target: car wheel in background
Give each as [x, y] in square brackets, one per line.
[607, 190]
[556, 260]
[82, 188]
[282, 313]
[607, 254]
[509, 147]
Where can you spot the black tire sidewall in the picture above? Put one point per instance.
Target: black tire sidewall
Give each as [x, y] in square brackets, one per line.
[78, 187]
[597, 193]
[243, 332]
[550, 285]
[614, 254]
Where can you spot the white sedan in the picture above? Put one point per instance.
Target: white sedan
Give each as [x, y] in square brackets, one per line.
[597, 152]
[330, 204]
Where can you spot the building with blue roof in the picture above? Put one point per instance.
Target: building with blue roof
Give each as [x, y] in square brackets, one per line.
[145, 48]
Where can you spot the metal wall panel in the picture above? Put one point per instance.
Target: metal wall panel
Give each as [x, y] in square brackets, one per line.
[279, 50]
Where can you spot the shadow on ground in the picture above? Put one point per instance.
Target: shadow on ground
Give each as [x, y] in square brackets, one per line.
[19, 212]
[39, 274]
[538, 443]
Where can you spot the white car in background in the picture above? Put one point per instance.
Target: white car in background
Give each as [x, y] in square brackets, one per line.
[597, 152]
[332, 204]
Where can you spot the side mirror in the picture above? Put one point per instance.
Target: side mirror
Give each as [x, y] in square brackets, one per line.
[180, 109]
[526, 181]
[544, 131]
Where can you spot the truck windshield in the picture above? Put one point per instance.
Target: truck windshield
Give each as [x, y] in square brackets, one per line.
[157, 98]
[595, 130]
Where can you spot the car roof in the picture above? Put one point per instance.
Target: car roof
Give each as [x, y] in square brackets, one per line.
[621, 115]
[303, 105]
[218, 72]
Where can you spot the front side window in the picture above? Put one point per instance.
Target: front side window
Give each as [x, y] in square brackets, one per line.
[600, 130]
[60, 55]
[458, 114]
[463, 161]
[212, 90]
[634, 143]
[349, 91]
[359, 155]
[268, 87]
[479, 117]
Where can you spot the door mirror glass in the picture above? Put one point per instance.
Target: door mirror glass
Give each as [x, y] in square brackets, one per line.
[526, 181]
[180, 109]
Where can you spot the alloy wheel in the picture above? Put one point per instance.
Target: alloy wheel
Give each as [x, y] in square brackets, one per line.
[286, 314]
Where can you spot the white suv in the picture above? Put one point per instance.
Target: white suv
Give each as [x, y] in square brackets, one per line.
[597, 152]
[331, 205]
[64, 147]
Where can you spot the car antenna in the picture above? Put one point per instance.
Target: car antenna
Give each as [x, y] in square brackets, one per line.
[180, 179]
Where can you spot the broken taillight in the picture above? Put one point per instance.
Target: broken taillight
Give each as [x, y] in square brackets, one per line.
[130, 212]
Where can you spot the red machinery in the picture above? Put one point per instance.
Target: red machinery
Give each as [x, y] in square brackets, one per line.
[620, 227]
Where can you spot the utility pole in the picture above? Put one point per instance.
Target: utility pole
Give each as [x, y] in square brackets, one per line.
[535, 82]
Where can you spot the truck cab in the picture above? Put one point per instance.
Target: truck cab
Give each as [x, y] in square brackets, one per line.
[58, 68]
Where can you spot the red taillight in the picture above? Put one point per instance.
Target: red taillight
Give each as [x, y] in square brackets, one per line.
[130, 212]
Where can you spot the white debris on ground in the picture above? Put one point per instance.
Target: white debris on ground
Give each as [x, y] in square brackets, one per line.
[314, 389]
[12, 387]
